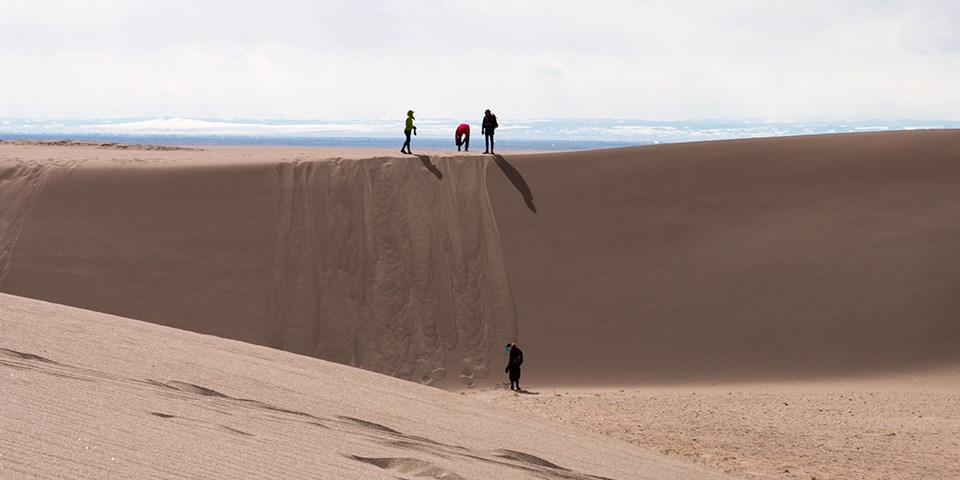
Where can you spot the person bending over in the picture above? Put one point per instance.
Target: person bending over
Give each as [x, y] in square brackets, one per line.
[463, 137]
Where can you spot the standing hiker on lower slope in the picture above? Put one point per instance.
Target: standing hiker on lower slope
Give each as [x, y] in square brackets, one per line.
[513, 366]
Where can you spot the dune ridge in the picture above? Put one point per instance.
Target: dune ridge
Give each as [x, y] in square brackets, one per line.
[391, 264]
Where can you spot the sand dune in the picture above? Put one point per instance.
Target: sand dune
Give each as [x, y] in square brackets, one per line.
[767, 259]
[88, 395]
[389, 264]
[768, 267]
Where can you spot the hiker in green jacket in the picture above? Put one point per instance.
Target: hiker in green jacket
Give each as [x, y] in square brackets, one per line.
[406, 131]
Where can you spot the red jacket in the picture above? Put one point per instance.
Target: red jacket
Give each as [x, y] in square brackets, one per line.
[463, 129]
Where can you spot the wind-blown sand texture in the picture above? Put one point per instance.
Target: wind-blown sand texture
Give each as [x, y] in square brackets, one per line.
[89, 395]
[868, 429]
[789, 261]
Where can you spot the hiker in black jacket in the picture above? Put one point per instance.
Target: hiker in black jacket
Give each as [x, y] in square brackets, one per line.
[513, 366]
[487, 127]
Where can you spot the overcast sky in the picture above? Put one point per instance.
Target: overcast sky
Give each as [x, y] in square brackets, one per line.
[655, 60]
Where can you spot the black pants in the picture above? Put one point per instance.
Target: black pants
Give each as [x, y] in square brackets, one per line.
[406, 145]
[514, 378]
[488, 142]
[465, 142]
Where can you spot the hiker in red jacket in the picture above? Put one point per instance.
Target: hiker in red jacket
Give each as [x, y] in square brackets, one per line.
[463, 137]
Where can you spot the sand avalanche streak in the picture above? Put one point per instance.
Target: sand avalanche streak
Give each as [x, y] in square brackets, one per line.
[375, 269]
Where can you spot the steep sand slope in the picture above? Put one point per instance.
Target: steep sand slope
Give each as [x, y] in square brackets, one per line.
[390, 264]
[88, 395]
[754, 259]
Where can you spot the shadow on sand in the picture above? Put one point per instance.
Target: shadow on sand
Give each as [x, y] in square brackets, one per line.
[430, 166]
[506, 386]
[517, 181]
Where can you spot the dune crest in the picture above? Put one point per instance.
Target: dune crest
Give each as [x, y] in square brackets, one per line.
[390, 264]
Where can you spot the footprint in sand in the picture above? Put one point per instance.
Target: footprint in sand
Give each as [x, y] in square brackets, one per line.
[410, 466]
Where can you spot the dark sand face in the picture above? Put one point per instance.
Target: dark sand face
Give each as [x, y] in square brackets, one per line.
[767, 259]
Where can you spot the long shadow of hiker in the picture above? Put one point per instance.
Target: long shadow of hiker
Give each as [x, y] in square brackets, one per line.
[430, 166]
[517, 181]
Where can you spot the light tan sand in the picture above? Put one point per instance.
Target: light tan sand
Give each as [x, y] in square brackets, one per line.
[88, 395]
[906, 429]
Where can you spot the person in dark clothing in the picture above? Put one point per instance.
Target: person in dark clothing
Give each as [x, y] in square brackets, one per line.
[487, 128]
[409, 127]
[513, 366]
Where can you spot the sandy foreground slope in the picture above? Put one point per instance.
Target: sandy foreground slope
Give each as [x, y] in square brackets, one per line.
[89, 395]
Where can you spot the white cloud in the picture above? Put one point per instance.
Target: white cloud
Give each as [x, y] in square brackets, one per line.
[450, 59]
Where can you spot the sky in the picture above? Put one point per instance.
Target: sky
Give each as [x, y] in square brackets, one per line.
[664, 60]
